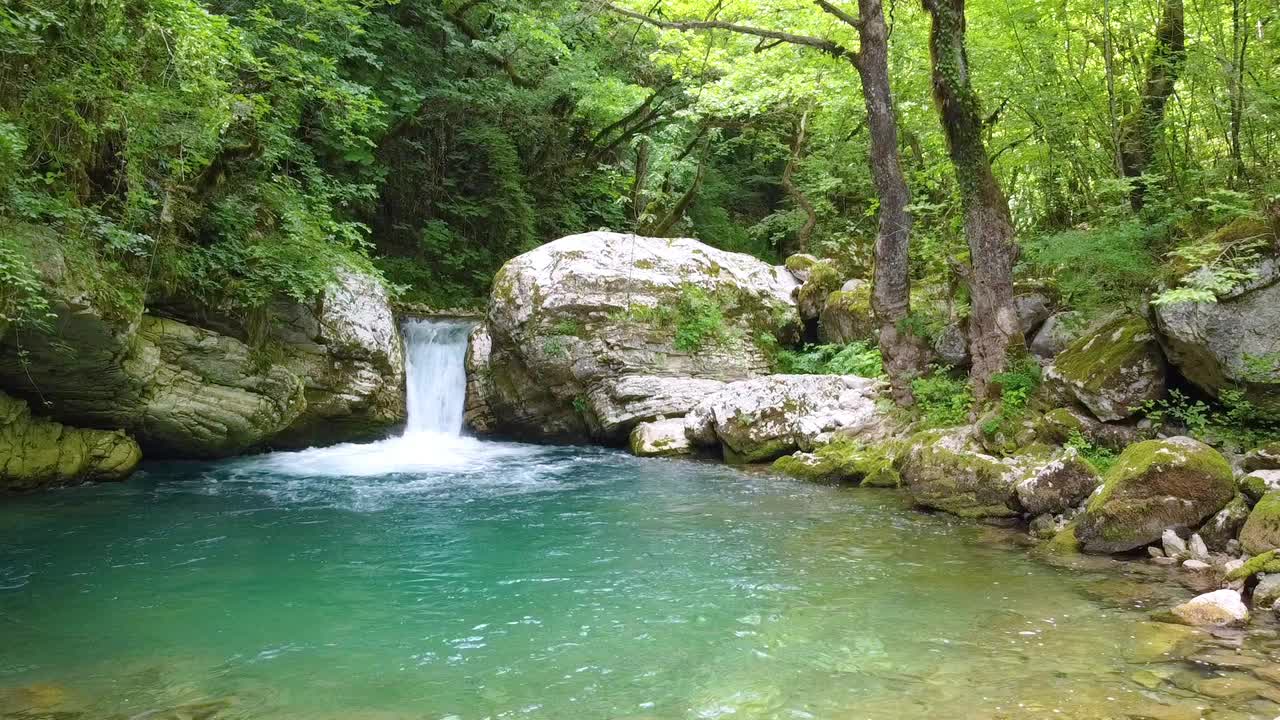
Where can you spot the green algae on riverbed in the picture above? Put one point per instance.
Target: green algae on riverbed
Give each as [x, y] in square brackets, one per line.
[494, 581]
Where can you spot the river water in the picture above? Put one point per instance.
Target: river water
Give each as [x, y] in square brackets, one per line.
[437, 577]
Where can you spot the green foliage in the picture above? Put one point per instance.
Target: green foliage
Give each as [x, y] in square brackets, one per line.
[857, 358]
[22, 300]
[1217, 264]
[1096, 269]
[1232, 421]
[699, 320]
[1099, 457]
[942, 399]
[1017, 383]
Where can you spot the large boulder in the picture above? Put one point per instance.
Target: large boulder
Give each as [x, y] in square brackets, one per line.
[1219, 608]
[347, 349]
[660, 438]
[1261, 532]
[843, 461]
[823, 278]
[1058, 485]
[761, 419]
[1112, 370]
[942, 471]
[1055, 335]
[1233, 342]
[1224, 526]
[1033, 310]
[1155, 485]
[592, 334]
[847, 315]
[37, 452]
[190, 384]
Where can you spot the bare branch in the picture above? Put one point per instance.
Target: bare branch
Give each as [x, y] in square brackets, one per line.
[827, 46]
[844, 17]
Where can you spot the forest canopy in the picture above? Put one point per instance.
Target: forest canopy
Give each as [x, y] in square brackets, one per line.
[233, 152]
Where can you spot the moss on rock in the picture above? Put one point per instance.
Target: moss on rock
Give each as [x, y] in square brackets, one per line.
[843, 461]
[1261, 532]
[1264, 562]
[36, 452]
[1112, 370]
[824, 279]
[1155, 485]
[847, 315]
[941, 473]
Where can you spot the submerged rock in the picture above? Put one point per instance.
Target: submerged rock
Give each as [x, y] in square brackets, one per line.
[1220, 608]
[1112, 370]
[593, 334]
[1261, 531]
[756, 420]
[1155, 485]
[37, 453]
[1058, 485]
[660, 438]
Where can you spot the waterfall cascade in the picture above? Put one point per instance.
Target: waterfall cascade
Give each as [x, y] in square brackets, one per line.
[435, 376]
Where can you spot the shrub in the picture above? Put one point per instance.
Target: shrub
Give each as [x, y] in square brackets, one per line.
[943, 399]
[857, 358]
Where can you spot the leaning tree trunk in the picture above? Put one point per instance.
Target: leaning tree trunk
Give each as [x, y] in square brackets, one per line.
[1139, 131]
[993, 323]
[891, 283]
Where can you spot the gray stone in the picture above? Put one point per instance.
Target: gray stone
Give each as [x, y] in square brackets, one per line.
[1196, 565]
[1266, 457]
[1058, 485]
[944, 472]
[1033, 309]
[1221, 529]
[952, 346]
[847, 316]
[1155, 552]
[1259, 483]
[1173, 545]
[762, 419]
[593, 334]
[1057, 332]
[1220, 608]
[1267, 591]
[660, 438]
[1197, 548]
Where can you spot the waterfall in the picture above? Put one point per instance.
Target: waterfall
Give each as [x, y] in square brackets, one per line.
[435, 376]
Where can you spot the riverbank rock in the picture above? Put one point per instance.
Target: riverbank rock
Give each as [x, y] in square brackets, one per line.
[1058, 485]
[477, 414]
[1260, 482]
[1111, 370]
[943, 472]
[843, 461]
[1261, 531]
[1267, 592]
[1155, 485]
[660, 438]
[1266, 457]
[593, 334]
[1225, 526]
[186, 390]
[847, 316]
[757, 420]
[1221, 608]
[1060, 425]
[347, 350]
[1234, 342]
[37, 453]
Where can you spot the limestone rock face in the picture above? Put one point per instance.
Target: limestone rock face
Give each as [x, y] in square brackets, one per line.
[478, 415]
[37, 453]
[1057, 332]
[761, 419]
[1261, 532]
[347, 350]
[847, 316]
[593, 334]
[1155, 485]
[1112, 370]
[943, 472]
[184, 390]
[660, 438]
[1220, 608]
[1058, 485]
[842, 461]
[1231, 343]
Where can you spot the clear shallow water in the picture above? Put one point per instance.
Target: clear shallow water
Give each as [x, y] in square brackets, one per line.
[435, 577]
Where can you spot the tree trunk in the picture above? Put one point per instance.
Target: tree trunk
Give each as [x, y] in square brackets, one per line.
[801, 241]
[993, 323]
[1141, 128]
[891, 283]
[639, 198]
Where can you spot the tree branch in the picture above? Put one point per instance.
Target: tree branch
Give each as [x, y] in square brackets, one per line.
[844, 17]
[831, 48]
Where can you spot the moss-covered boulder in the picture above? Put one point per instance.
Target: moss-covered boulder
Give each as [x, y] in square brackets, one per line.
[1061, 425]
[1155, 485]
[843, 461]
[37, 453]
[593, 334]
[1266, 457]
[1259, 483]
[1225, 525]
[824, 279]
[1261, 532]
[1055, 335]
[1233, 342]
[660, 438]
[847, 315]
[1112, 370]
[800, 265]
[1058, 485]
[943, 472]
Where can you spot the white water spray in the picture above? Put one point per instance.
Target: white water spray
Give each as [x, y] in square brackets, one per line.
[435, 376]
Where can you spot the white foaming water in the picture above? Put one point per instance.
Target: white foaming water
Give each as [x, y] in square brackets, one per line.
[432, 443]
[435, 376]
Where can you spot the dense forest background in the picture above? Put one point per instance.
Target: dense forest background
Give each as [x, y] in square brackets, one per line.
[234, 151]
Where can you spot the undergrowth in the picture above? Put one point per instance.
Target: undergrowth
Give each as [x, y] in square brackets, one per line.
[857, 358]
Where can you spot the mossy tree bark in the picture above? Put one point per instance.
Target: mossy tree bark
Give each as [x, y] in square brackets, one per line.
[993, 321]
[1139, 131]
